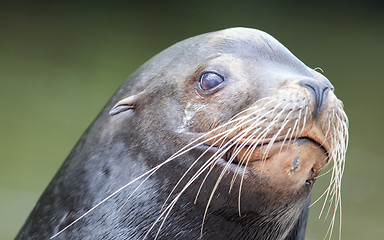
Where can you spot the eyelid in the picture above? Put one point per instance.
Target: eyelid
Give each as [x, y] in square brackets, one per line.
[223, 76]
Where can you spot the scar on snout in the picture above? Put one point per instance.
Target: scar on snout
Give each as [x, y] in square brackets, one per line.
[295, 164]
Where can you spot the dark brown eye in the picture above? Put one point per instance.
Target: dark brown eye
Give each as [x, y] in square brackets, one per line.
[210, 80]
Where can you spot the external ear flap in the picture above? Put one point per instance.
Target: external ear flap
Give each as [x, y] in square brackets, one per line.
[125, 104]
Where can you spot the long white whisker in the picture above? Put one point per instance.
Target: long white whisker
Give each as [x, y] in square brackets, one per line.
[304, 120]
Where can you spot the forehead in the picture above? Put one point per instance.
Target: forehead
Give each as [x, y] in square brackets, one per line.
[245, 42]
[252, 47]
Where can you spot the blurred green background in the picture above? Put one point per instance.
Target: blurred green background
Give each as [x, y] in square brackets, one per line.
[60, 63]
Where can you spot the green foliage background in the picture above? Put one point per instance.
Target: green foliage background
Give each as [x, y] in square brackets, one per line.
[60, 62]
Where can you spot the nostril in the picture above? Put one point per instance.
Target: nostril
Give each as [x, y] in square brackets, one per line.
[319, 90]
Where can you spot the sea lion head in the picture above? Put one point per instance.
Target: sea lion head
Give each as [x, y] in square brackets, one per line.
[242, 119]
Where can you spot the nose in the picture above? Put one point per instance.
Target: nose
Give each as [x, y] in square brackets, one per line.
[319, 90]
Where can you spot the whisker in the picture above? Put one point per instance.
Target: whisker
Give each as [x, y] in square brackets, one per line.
[298, 122]
[304, 120]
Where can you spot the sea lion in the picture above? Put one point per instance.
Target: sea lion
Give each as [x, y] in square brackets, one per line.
[220, 136]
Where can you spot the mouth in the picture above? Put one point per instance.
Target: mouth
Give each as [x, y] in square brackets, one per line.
[289, 164]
